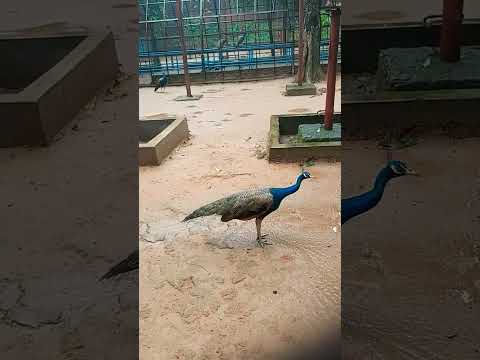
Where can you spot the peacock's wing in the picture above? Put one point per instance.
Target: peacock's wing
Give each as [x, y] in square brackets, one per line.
[237, 206]
[247, 205]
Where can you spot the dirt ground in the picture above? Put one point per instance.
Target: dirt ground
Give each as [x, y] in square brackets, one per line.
[206, 290]
[392, 306]
[68, 211]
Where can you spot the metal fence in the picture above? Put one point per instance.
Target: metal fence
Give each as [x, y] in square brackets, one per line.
[222, 36]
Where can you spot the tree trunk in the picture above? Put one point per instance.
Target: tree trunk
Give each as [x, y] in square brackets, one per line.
[313, 69]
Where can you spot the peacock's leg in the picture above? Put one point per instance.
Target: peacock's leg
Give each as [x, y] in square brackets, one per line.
[262, 243]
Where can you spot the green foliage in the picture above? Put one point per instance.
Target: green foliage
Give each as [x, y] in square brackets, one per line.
[325, 25]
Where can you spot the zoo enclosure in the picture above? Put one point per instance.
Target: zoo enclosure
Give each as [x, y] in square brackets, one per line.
[254, 37]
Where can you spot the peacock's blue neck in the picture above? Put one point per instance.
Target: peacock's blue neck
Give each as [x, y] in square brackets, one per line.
[381, 180]
[375, 195]
[281, 193]
[359, 204]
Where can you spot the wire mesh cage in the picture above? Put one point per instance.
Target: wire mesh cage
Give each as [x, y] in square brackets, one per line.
[222, 36]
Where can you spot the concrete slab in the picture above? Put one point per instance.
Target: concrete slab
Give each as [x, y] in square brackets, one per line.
[50, 77]
[421, 68]
[316, 132]
[283, 139]
[159, 135]
[188, 98]
[372, 112]
[304, 89]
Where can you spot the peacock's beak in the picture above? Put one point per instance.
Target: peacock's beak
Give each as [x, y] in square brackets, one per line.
[411, 172]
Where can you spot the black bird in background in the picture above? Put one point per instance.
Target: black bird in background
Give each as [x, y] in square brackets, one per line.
[241, 39]
[221, 43]
[161, 83]
[126, 265]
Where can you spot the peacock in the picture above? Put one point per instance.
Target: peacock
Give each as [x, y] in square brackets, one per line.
[162, 83]
[128, 264]
[357, 205]
[248, 205]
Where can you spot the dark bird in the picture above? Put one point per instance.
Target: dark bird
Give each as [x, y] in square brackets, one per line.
[247, 205]
[126, 265]
[241, 39]
[213, 68]
[221, 43]
[161, 83]
[357, 205]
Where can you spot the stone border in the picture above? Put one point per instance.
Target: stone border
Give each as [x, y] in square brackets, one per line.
[161, 145]
[368, 116]
[36, 114]
[278, 152]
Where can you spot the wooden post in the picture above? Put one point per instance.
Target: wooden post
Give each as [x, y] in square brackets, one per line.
[451, 26]
[184, 47]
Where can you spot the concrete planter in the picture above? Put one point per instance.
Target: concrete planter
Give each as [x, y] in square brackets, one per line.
[159, 135]
[286, 126]
[47, 80]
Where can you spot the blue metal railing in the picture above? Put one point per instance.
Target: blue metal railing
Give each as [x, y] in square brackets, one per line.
[169, 61]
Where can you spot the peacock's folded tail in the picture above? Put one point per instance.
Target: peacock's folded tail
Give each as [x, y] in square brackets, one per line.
[244, 205]
[126, 265]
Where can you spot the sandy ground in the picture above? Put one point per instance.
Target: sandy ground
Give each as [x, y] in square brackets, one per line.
[69, 211]
[359, 84]
[410, 267]
[206, 290]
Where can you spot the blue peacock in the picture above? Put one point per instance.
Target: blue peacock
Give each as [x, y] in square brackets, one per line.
[357, 205]
[161, 83]
[248, 205]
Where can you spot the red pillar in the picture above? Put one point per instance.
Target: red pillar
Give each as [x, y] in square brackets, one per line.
[184, 47]
[301, 22]
[451, 26]
[332, 68]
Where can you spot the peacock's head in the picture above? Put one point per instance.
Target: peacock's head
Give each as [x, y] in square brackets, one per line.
[399, 168]
[305, 175]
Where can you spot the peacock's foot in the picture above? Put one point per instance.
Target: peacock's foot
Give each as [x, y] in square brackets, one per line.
[261, 242]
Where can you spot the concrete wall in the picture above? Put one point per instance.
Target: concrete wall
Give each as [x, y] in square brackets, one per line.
[363, 45]
[393, 11]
